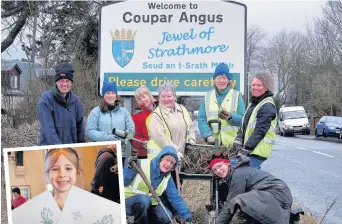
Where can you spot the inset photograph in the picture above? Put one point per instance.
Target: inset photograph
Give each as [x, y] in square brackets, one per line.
[78, 183]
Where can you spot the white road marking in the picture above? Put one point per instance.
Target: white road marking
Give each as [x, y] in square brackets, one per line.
[323, 154]
[305, 149]
[292, 146]
[299, 148]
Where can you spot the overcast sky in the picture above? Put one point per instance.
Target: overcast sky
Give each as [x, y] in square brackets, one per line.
[270, 16]
[274, 16]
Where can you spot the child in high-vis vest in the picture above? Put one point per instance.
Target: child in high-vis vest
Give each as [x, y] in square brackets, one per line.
[158, 171]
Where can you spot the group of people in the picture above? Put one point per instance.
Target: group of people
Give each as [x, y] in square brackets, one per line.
[166, 127]
[61, 118]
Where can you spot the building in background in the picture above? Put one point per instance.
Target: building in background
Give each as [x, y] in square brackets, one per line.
[16, 77]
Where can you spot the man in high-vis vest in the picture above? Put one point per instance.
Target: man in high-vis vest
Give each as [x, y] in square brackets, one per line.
[257, 135]
[224, 103]
[139, 202]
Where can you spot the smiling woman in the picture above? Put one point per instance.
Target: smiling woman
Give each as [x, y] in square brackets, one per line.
[170, 123]
[257, 135]
[108, 116]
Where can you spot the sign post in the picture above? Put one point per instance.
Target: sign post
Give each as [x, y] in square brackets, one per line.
[150, 43]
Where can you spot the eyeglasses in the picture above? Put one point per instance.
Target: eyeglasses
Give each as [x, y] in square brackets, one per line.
[222, 77]
[170, 160]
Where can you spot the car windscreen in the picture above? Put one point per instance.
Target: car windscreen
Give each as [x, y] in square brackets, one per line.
[294, 114]
[335, 120]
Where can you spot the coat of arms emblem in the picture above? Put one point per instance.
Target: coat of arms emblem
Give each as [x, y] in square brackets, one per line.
[123, 46]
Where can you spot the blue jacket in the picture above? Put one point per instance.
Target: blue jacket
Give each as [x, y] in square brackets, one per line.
[236, 117]
[101, 122]
[177, 203]
[60, 124]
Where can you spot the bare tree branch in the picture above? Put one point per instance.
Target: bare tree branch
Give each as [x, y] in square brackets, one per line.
[5, 14]
[254, 36]
[15, 31]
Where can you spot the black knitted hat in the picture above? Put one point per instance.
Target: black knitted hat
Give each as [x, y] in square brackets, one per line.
[64, 71]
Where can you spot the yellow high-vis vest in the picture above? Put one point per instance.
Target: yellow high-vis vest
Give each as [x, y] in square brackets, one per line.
[138, 185]
[264, 147]
[229, 103]
[153, 148]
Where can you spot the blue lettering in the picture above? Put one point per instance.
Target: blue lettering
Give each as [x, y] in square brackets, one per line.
[164, 38]
[151, 55]
[223, 48]
[167, 37]
[201, 65]
[214, 64]
[182, 50]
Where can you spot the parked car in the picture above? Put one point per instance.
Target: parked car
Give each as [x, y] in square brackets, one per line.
[293, 120]
[329, 126]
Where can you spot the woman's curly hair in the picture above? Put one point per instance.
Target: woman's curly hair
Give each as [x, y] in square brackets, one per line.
[267, 80]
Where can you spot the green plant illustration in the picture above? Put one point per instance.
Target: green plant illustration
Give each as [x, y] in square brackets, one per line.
[107, 219]
[46, 215]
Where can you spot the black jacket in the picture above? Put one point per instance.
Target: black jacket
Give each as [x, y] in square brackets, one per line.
[106, 159]
[258, 193]
[265, 116]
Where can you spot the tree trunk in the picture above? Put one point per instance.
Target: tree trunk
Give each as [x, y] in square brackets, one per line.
[34, 34]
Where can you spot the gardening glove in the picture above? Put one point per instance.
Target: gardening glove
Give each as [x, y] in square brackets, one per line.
[132, 159]
[211, 140]
[237, 145]
[244, 151]
[192, 142]
[128, 137]
[145, 144]
[237, 142]
[224, 115]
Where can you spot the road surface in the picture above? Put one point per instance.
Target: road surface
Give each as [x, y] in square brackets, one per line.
[313, 171]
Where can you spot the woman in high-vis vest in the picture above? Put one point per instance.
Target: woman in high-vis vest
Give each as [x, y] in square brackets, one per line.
[137, 199]
[169, 124]
[225, 98]
[258, 132]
